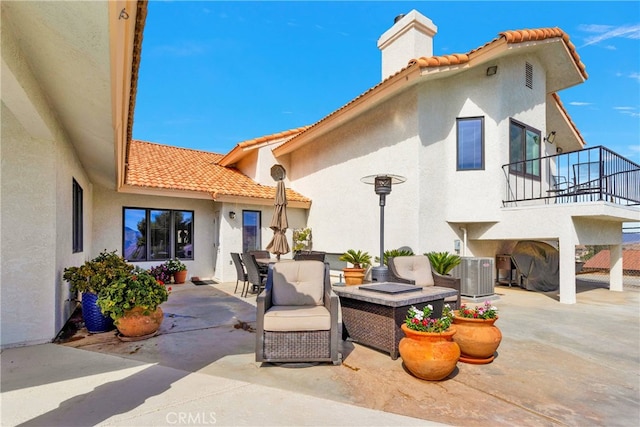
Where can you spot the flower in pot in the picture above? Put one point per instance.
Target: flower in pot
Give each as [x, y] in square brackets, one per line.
[90, 279]
[177, 269]
[133, 302]
[428, 349]
[443, 262]
[161, 273]
[360, 261]
[477, 335]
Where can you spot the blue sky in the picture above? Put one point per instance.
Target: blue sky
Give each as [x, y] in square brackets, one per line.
[217, 73]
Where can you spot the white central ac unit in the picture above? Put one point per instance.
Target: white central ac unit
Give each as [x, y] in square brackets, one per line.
[476, 276]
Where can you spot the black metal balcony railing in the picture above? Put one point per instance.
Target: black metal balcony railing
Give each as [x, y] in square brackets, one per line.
[586, 175]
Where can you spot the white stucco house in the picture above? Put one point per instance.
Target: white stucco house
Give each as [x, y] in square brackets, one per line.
[489, 154]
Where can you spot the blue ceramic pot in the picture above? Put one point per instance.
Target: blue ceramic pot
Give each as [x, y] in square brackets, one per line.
[94, 320]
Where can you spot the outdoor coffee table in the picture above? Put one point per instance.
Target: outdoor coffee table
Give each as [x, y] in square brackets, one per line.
[372, 314]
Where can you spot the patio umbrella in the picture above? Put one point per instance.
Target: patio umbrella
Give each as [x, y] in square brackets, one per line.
[279, 223]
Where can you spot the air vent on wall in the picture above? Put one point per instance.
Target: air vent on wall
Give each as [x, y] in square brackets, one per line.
[528, 71]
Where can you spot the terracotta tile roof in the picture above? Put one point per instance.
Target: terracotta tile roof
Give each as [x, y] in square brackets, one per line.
[244, 147]
[630, 260]
[509, 37]
[164, 167]
[269, 138]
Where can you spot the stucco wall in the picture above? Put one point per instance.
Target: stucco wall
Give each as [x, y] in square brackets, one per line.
[36, 234]
[414, 135]
[231, 234]
[345, 212]
[108, 223]
[28, 235]
[38, 165]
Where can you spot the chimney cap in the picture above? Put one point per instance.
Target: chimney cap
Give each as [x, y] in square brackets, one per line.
[397, 18]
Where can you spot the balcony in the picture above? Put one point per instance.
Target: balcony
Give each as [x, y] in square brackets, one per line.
[593, 174]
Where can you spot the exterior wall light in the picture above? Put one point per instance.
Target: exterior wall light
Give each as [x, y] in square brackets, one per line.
[232, 215]
[492, 70]
[551, 137]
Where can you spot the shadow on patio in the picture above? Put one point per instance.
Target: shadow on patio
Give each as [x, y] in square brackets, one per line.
[557, 364]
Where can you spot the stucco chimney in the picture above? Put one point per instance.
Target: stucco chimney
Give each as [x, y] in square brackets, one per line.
[411, 36]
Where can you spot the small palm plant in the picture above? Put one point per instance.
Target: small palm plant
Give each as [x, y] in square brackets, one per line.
[359, 259]
[443, 262]
[393, 253]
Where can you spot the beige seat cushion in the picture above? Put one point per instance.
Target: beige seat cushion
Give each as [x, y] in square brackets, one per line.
[297, 318]
[298, 283]
[416, 268]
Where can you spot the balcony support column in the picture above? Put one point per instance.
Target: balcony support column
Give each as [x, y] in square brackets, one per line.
[615, 264]
[567, 254]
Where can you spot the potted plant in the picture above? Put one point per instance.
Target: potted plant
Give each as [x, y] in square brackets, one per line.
[90, 279]
[177, 269]
[443, 262]
[393, 253]
[477, 335]
[301, 239]
[360, 261]
[161, 273]
[133, 302]
[428, 350]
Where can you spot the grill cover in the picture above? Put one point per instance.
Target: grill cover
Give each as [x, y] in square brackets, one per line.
[538, 265]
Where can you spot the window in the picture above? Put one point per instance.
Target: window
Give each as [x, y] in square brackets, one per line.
[157, 234]
[77, 220]
[251, 225]
[524, 150]
[470, 136]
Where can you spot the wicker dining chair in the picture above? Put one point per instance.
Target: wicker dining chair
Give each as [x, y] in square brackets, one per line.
[297, 315]
[255, 277]
[241, 274]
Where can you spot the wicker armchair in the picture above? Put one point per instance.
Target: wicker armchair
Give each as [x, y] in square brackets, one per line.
[297, 315]
[416, 270]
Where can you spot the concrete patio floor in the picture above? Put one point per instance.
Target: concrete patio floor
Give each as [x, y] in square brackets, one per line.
[558, 364]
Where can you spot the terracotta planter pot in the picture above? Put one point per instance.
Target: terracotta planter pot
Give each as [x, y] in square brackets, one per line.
[429, 356]
[353, 276]
[478, 339]
[135, 323]
[180, 277]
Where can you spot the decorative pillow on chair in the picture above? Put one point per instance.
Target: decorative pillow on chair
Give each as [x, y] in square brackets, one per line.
[298, 283]
[416, 267]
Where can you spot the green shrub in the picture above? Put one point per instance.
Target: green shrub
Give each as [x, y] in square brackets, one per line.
[443, 262]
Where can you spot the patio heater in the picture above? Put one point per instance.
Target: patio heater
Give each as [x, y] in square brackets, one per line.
[382, 186]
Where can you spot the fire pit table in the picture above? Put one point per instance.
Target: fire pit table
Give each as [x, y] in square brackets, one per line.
[372, 314]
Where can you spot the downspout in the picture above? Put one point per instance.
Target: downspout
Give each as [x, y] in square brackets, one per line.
[464, 241]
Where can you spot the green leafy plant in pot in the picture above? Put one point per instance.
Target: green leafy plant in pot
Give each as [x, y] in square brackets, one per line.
[360, 261]
[90, 279]
[443, 262]
[133, 302]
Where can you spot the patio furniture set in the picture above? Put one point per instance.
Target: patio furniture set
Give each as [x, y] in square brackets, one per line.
[297, 306]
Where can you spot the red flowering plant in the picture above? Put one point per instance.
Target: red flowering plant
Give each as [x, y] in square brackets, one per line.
[485, 311]
[419, 320]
